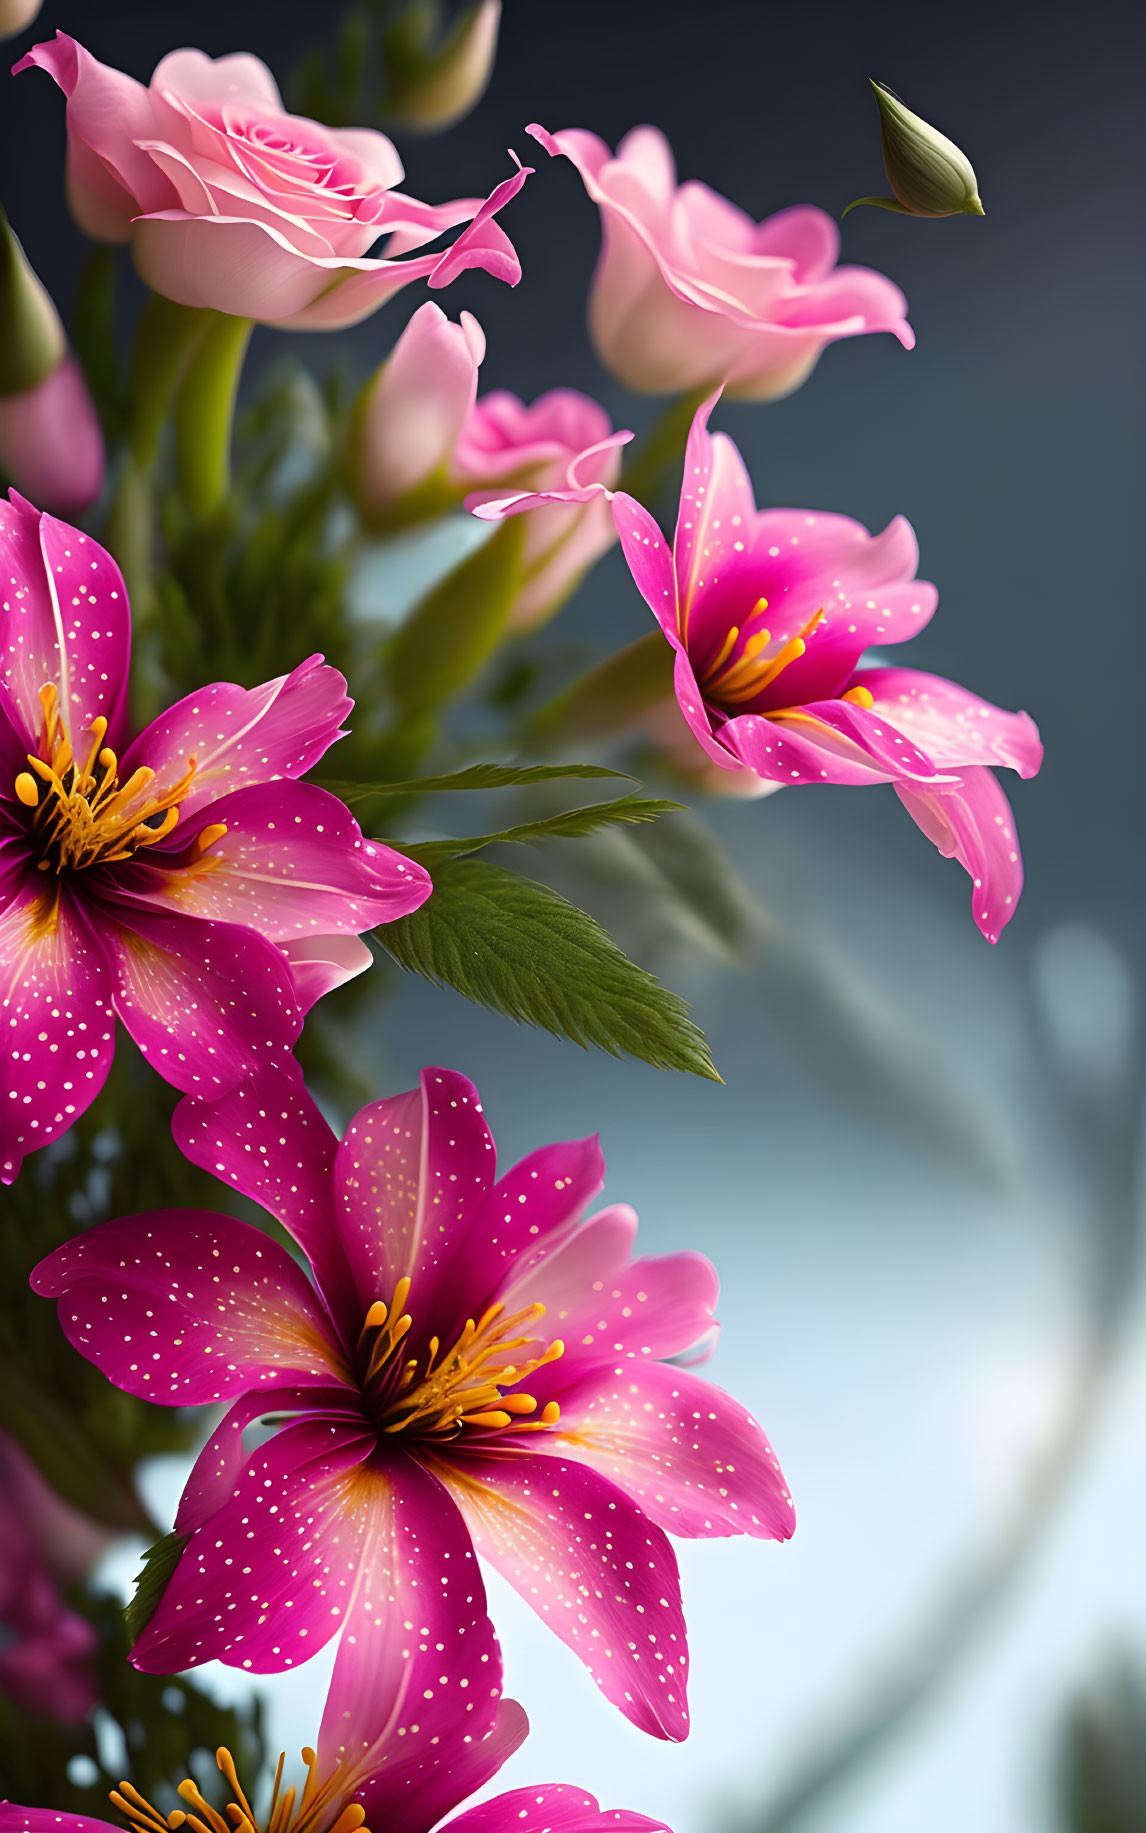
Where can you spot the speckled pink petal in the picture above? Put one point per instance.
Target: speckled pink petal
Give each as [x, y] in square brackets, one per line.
[601, 1303]
[649, 558]
[952, 725]
[268, 1140]
[549, 1805]
[595, 1569]
[692, 1457]
[207, 1003]
[240, 736]
[541, 1194]
[15, 1819]
[293, 863]
[411, 1174]
[828, 741]
[717, 508]
[269, 1579]
[973, 823]
[417, 1678]
[57, 1031]
[183, 1307]
[471, 1764]
[216, 1470]
[64, 622]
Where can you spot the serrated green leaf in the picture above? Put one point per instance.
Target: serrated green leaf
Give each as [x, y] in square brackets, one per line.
[475, 776]
[521, 949]
[570, 824]
[159, 1563]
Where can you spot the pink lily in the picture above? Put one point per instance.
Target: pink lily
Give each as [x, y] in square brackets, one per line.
[180, 881]
[768, 613]
[472, 1352]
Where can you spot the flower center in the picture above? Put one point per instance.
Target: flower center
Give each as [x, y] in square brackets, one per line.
[320, 1809]
[81, 814]
[437, 1396]
[740, 669]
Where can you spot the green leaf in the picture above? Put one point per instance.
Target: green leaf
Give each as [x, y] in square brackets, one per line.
[570, 824]
[455, 628]
[159, 1563]
[521, 949]
[476, 776]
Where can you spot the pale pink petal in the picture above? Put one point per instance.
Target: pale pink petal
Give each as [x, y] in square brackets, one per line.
[50, 442]
[602, 1303]
[240, 736]
[267, 1581]
[972, 822]
[237, 77]
[107, 113]
[235, 264]
[692, 1457]
[418, 404]
[807, 237]
[549, 1805]
[645, 153]
[483, 243]
[412, 1173]
[184, 1307]
[319, 964]
[595, 1569]
[293, 864]
[268, 1140]
[575, 543]
[207, 1003]
[417, 1678]
[55, 1016]
[951, 724]
[64, 622]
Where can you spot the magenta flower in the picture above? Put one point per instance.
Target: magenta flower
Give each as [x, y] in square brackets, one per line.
[181, 882]
[769, 613]
[689, 291]
[472, 1354]
[229, 202]
[414, 1720]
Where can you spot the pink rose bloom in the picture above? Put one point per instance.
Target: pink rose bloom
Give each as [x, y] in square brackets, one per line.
[690, 291]
[423, 429]
[230, 203]
[475, 1359]
[46, 1649]
[180, 881]
[50, 442]
[768, 613]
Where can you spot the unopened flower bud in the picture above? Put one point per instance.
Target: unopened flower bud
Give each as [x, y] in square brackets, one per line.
[928, 173]
[17, 16]
[32, 341]
[432, 86]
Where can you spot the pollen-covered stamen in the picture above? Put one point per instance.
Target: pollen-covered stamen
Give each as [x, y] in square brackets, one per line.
[741, 669]
[435, 1395]
[83, 816]
[323, 1808]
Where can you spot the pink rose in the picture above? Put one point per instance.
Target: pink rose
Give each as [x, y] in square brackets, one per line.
[231, 204]
[424, 440]
[690, 291]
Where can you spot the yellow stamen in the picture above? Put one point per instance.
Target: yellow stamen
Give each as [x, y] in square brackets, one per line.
[436, 1394]
[83, 815]
[732, 683]
[326, 1803]
[860, 696]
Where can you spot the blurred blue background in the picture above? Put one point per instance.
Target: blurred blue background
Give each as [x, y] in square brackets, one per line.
[908, 1246]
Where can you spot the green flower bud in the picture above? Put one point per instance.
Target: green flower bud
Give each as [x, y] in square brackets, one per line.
[928, 173]
[32, 341]
[433, 84]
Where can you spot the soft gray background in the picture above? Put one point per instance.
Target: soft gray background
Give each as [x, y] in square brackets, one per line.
[903, 1323]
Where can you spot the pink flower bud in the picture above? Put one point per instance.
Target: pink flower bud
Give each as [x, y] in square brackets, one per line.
[51, 446]
[410, 416]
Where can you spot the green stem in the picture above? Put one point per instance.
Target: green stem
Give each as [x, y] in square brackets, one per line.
[163, 337]
[205, 412]
[661, 447]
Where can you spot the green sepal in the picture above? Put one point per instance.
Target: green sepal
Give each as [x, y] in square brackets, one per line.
[611, 698]
[32, 341]
[159, 1563]
[454, 630]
